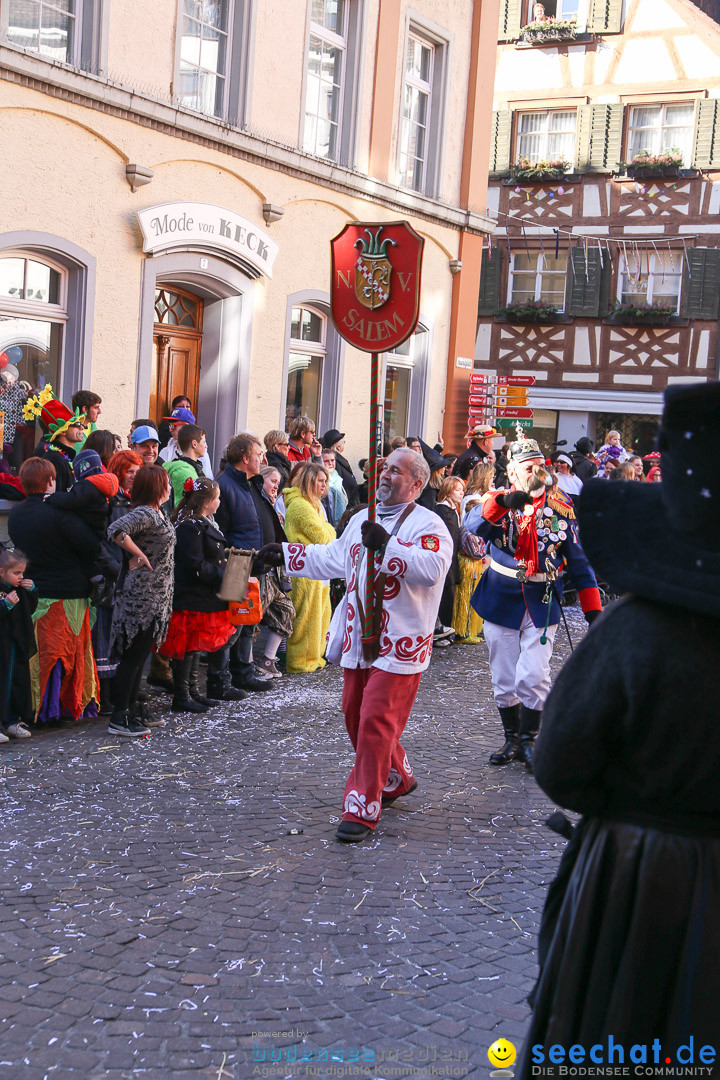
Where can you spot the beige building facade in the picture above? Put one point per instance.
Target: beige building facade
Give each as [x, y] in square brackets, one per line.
[175, 172]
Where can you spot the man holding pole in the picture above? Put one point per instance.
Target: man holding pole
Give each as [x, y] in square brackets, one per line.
[411, 551]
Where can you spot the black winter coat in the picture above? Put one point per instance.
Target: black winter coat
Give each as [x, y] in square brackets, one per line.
[60, 548]
[427, 497]
[62, 460]
[200, 557]
[348, 479]
[584, 467]
[452, 521]
[85, 500]
[630, 939]
[280, 462]
[17, 645]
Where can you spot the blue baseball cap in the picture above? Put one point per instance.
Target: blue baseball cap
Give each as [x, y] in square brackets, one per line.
[181, 414]
[143, 433]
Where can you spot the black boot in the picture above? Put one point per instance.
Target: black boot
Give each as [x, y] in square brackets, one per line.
[219, 688]
[529, 727]
[510, 716]
[182, 702]
[194, 682]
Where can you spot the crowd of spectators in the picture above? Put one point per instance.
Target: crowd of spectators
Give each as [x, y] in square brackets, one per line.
[119, 556]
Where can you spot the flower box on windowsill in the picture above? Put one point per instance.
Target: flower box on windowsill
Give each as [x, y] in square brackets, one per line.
[530, 313]
[548, 30]
[651, 172]
[527, 171]
[650, 316]
[552, 177]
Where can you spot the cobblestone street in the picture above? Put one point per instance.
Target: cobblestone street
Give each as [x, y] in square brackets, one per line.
[173, 904]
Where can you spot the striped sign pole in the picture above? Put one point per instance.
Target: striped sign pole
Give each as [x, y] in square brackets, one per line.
[376, 430]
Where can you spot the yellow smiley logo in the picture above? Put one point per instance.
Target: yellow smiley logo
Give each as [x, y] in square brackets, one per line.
[502, 1054]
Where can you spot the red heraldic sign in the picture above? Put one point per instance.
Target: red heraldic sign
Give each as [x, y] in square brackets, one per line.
[375, 290]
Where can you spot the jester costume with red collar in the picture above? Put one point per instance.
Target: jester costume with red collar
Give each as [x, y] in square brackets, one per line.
[533, 543]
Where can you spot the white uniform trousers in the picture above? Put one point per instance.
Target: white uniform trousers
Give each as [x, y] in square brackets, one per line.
[519, 664]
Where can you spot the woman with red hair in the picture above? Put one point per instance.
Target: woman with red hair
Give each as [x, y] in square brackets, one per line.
[143, 596]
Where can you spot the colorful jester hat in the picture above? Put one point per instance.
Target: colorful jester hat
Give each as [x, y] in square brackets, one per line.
[54, 417]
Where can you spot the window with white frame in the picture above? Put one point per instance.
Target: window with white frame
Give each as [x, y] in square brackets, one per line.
[204, 50]
[651, 279]
[325, 77]
[48, 27]
[417, 109]
[64, 30]
[661, 127]
[537, 277]
[404, 375]
[306, 360]
[547, 136]
[33, 315]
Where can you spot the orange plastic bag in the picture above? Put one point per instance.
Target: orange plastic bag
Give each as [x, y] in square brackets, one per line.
[247, 612]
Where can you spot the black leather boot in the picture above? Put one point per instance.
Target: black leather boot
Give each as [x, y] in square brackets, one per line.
[182, 701]
[529, 727]
[510, 717]
[219, 688]
[194, 682]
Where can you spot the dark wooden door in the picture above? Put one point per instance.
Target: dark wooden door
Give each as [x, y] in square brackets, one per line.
[177, 342]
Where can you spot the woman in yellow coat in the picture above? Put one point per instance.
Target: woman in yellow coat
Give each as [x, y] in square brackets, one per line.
[305, 524]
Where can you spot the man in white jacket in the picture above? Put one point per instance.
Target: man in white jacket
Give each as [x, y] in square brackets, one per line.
[412, 550]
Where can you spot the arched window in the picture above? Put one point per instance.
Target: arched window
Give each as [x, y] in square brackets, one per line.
[308, 330]
[33, 316]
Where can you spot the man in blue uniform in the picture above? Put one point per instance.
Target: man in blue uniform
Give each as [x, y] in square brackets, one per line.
[532, 538]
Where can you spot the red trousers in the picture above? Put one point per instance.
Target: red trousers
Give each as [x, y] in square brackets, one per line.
[376, 705]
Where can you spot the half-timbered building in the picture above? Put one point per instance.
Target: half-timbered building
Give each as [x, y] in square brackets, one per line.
[602, 279]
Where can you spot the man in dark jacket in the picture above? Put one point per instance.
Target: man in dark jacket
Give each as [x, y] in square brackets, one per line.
[583, 463]
[479, 445]
[247, 519]
[335, 440]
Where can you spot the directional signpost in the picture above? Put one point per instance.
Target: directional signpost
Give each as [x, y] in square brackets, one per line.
[500, 400]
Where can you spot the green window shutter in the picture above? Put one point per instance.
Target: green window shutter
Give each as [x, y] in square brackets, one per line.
[490, 282]
[707, 135]
[500, 142]
[599, 142]
[605, 17]
[510, 19]
[588, 287]
[701, 283]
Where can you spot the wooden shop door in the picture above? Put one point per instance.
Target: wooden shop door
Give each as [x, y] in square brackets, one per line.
[177, 340]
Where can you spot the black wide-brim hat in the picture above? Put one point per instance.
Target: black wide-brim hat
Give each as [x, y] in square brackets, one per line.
[662, 541]
[434, 459]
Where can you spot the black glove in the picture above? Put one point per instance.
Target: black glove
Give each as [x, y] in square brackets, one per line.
[374, 537]
[514, 500]
[591, 616]
[271, 555]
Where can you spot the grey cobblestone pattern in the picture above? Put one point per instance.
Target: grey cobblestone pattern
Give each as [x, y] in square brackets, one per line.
[168, 899]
